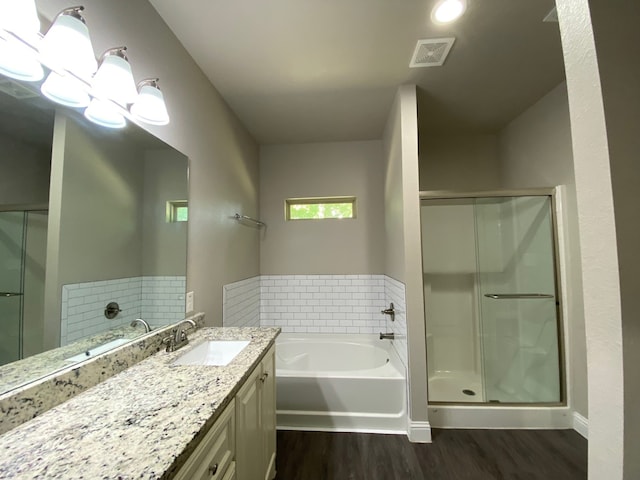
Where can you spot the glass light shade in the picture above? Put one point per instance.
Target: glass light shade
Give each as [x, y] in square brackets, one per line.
[65, 90]
[114, 80]
[149, 107]
[447, 11]
[19, 17]
[104, 114]
[67, 46]
[19, 62]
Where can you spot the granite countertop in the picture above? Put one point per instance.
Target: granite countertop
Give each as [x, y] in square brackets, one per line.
[20, 372]
[142, 423]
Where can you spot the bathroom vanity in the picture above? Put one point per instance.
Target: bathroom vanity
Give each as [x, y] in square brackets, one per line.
[158, 419]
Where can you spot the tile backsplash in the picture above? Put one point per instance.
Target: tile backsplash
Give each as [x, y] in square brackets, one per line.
[158, 299]
[241, 303]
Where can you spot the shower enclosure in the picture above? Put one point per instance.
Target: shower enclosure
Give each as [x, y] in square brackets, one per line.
[491, 301]
[23, 235]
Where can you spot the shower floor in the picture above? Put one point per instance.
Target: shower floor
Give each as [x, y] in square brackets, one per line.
[451, 387]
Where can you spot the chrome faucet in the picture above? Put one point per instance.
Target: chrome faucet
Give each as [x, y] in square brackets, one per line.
[391, 311]
[147, 327]
[387, 336]
[178, 338]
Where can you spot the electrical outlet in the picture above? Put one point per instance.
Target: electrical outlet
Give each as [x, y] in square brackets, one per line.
[189, 303]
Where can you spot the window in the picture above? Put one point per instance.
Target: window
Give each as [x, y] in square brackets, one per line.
[320, 208]
[177, 211]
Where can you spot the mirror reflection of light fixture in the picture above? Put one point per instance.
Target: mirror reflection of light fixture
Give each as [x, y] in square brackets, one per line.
[447, 11]
[18, 61]
[67, 44]
[149, 106]
[65, 90]
[104, 113]
[114, 78]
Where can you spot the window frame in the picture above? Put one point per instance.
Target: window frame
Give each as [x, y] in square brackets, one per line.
[172, 210]
[320, 200]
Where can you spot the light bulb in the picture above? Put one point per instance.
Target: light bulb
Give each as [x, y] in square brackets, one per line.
[447, 11]
[149, 106]
[105, 114]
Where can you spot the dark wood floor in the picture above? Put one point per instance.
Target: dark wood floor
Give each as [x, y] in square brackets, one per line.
[454, 454]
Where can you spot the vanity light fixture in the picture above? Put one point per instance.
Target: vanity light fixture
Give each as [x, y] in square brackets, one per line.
[447, 11]
[75, 79]
[114, 79]
[19, 20]
[67, 46]
[149, 106]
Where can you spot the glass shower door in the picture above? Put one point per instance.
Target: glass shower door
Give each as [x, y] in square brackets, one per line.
[517, 296]
[12, 238]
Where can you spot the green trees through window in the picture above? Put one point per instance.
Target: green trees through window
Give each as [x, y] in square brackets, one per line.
[320, 208]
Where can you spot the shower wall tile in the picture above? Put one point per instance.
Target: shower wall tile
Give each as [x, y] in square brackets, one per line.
[394, 291]
[323, 303]
[159, 300]
[241, 303]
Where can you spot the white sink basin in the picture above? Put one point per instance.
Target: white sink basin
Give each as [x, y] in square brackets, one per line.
[98, 350]
[213, 352]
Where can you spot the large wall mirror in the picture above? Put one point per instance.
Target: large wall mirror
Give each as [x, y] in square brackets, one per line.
[89, 217]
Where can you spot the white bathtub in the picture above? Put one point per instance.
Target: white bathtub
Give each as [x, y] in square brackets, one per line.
[352, 383]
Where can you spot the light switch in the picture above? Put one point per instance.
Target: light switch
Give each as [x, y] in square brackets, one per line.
[189, 306]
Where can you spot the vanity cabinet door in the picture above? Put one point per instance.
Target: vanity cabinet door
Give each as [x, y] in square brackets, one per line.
[213, 457]
[249, 463]
[256, 423]
[268, 412]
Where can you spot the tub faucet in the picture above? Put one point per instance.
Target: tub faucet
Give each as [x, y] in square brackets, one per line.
[391, 311]
[147, 327]
[178, 336]
[387, 336]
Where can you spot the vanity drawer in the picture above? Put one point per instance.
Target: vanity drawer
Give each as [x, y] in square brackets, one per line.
[215, 453]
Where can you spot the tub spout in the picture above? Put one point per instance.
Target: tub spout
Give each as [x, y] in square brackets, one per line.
[387, 336]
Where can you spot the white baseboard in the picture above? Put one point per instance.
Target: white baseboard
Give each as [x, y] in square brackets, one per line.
[500, 417]
[581, 425]
[419, 432]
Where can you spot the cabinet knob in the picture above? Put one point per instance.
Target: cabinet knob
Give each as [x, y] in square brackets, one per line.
[213, 469]
[263, 378]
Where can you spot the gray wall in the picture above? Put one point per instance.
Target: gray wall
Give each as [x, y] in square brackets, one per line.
[461, 162]
[95, 214]
[25, 172]
[223, 156]
[535, 151]
[353, 246]
[164, 244]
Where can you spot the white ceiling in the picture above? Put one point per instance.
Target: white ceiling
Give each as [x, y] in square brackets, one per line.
[299, 71]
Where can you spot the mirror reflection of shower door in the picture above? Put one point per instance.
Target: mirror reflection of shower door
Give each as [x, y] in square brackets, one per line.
[12, 238]
[517, 296]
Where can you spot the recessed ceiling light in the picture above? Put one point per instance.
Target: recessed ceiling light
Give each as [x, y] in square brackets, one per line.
[447, 11]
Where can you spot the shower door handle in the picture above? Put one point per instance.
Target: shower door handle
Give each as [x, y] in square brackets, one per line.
[513, 296]
[9, 294]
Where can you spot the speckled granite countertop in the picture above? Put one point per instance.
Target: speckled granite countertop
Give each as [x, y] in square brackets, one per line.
[142, 423]
[18, 373]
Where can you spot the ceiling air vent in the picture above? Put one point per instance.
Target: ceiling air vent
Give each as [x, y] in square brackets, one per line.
[431, 52]
[16, 90]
